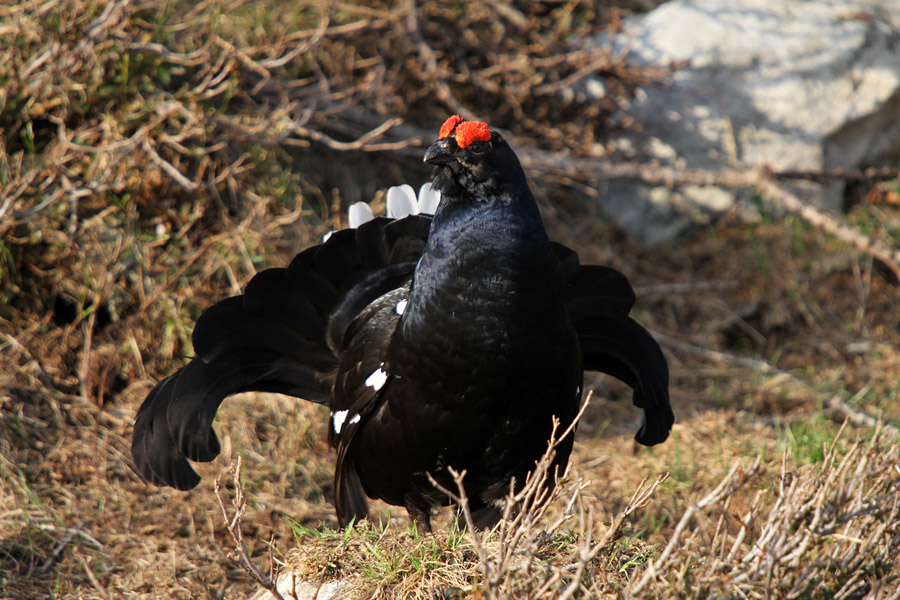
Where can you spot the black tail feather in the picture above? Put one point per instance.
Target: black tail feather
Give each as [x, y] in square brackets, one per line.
[156, 456]
[174, 424]
[301, 311]
[273, 338]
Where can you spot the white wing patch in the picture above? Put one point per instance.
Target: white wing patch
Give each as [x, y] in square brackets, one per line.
[401, 307]
[376, 380]
[354, 420]
[337, 420]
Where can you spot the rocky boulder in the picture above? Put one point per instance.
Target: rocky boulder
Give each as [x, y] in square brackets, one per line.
[794, 84]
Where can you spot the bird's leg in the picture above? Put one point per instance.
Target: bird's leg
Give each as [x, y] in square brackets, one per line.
[421, 518]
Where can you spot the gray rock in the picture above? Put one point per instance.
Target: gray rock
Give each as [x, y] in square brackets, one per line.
[293, 588]
[794, 84]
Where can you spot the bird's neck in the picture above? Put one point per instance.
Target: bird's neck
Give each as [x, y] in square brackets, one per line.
[499, 218]
[483, 259]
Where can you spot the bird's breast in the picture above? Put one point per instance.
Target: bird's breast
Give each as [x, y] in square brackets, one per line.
[484, 319]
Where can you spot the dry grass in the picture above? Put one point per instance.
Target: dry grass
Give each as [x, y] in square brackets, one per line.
[155, 156]
[827, 530]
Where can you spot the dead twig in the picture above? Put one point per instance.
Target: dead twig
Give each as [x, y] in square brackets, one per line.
[89, 572]
[761, 178]
[84, 370]
[828, 223]
[729, 484]
[233, 525]
[871, 173]
[833, 403]
[436, 75]
[825, 523]
[168, 167]
[364, 142]
[674, 288]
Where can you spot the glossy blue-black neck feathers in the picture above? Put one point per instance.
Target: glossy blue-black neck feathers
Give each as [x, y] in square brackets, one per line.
[487, 228]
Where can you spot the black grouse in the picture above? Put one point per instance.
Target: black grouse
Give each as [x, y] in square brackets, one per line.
[441, 342]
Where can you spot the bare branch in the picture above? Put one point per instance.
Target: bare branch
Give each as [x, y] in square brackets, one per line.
[685, 287]
[233, 525]
[762, 179]
[726, 487]
[833, 403]
[168, 167]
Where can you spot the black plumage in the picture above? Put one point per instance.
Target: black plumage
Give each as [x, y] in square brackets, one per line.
[436, 343]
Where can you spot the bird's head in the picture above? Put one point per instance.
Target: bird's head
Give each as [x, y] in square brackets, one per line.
[472, 162]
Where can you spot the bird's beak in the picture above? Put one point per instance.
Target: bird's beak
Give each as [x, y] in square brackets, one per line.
[439, 154]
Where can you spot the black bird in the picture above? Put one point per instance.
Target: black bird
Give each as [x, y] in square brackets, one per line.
[436, 343]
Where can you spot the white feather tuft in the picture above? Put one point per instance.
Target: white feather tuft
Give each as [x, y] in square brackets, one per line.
[401, 201]
[429, 198]
[359, 213]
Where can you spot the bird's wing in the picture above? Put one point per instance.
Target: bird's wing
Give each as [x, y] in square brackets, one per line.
[599, 300]
[279, 336]
[359, 387]
[622, 348]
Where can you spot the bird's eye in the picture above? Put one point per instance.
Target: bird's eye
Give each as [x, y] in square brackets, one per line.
[478, 147]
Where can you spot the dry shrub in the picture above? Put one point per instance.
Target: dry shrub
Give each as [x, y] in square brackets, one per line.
[828, 530]
[141, 99]
[142, 138]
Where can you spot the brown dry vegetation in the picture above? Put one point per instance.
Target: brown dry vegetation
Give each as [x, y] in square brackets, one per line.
[155, 155]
